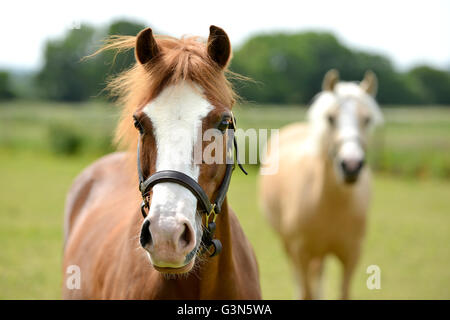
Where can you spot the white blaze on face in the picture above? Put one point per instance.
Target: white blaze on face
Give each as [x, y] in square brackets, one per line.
[348, 133]
[176, 115]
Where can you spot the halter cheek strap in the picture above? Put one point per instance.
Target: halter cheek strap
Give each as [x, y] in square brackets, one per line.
[205, 205]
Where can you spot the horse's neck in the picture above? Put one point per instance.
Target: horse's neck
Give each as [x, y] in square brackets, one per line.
[215, 270]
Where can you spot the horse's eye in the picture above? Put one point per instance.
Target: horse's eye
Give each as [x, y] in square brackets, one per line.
[138, 126]
[223, 125]
[367, 121]
[331, 120]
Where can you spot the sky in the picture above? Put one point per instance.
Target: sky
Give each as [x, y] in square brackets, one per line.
[409, 32]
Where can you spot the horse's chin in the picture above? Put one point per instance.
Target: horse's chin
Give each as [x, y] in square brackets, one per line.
[350, 180]
[347, 180]
[180, 270]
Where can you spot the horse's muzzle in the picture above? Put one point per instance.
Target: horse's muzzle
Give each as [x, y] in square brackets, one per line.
[351, 169]
[169, 246]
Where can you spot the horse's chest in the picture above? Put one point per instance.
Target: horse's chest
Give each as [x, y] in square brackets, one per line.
[330, 225]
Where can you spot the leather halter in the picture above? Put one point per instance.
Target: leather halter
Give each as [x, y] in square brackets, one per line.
[205, 206]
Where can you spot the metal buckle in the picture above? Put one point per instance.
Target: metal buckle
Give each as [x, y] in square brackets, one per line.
[213, 211]
[208, 237]
[142, 187]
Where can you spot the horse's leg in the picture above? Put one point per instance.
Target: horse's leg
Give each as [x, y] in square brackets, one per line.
[349, 261]
[301, 261]
[315, 273]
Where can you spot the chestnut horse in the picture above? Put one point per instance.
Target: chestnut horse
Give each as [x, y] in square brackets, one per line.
[175, 92]
[318, 200]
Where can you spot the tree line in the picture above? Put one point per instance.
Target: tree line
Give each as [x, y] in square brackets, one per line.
[286, 68]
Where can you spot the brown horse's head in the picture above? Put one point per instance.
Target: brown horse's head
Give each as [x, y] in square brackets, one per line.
[176, 92]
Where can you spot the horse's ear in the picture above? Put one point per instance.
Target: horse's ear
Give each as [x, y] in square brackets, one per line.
[330, 80]
[146, 47]
[219, 47]
[370, 83]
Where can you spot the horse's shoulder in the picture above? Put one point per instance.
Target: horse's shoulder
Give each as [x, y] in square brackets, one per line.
[293, 136]
[289, 139]
[87, 182]
[239, 238]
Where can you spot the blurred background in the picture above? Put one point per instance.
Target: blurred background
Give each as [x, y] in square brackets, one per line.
[55, 120]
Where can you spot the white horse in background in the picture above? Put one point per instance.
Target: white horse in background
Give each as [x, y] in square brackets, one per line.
[318, 199]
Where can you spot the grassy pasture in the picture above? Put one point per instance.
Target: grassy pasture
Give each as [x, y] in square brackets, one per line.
[408, 233]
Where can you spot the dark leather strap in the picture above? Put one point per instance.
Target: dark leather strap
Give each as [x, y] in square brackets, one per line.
[223, 189]
[181, 179]
[139, 168]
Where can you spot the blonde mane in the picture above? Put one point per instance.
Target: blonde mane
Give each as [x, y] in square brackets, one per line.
[184, 59]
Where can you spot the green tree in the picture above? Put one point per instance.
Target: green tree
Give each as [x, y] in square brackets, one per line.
[6, 91]
[64, 76]
[121, 62]
[67, 76]
[434, 83]
[289, 68]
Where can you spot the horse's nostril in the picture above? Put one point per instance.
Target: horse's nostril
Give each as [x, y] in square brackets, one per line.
[146, 237]
[361, 164]
[343, 166]
[186, 237]
[352, 167]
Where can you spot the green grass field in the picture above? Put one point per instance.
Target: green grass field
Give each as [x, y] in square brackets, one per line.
[408, 232]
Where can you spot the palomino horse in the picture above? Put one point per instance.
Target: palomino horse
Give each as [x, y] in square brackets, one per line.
[176, 91]
[318, 199]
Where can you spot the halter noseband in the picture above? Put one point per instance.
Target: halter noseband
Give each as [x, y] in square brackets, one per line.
[206, 207]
